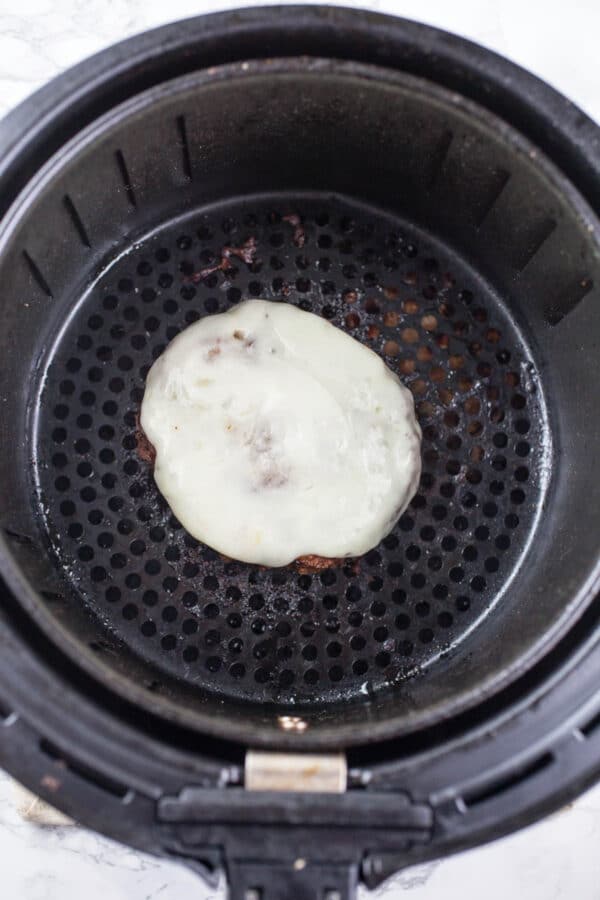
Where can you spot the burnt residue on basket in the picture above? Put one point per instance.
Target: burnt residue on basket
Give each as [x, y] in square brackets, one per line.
[247, 253]
[295, 221]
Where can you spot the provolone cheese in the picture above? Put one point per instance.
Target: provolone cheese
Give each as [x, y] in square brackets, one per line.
[278, 436]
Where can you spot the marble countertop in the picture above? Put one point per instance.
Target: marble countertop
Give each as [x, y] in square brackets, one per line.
[556, 859]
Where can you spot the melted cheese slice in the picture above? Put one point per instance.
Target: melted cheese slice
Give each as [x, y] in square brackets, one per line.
[277, 436]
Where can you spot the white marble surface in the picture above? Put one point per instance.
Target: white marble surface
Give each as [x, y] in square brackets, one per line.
[555, 860]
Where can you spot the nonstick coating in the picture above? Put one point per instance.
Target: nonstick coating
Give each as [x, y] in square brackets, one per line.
[273, 634]
[417, 222]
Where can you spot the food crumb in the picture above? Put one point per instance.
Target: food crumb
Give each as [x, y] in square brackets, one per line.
[51, 783]
[299, 237]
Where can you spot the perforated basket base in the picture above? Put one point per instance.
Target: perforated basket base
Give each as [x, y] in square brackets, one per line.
[276, 635]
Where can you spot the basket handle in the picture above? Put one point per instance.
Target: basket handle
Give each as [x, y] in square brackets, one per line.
[305, 846]
[300, 880]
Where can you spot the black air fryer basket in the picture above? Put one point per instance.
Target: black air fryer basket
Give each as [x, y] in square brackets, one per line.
[435, 202]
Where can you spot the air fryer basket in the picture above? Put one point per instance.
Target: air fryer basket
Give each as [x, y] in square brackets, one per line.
[428, 226]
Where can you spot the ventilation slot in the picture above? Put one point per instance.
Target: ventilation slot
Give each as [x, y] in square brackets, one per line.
[185, 148]
[18, 538]
[76, 220]
[438, 157]
[125, 177]
[570, 299]
[591, 726]
[538, 239]
[37, 275]
[474, 798]
[499, 181]
[91, 775]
